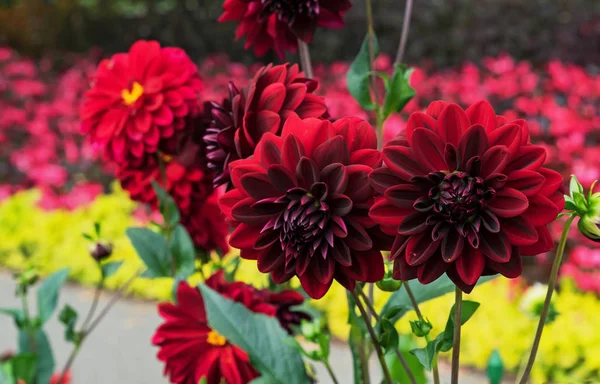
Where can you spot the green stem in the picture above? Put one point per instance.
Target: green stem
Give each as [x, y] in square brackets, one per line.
[404, 36]
[28, 325]
[167, 227]
[457, 325]
[434, 363]
[305, 58]
[374, 340]
[551, 286]
[94, 305]
[330, 371]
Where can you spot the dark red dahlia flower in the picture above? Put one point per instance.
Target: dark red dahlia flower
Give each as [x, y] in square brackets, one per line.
[465, 193]
[300, 204]
[278, 24]
[139, 98]
[206, 225]
[192, 350]
[276, 93]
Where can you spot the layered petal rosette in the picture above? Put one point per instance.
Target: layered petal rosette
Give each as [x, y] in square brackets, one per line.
[300, 204]
[139, 98]
[465, 194]
[278, 24]
[192, 350]
[275, 94]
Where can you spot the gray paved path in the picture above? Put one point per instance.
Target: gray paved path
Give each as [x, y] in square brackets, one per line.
[119, 350]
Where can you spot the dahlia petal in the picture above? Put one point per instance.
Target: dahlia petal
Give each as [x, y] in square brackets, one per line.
[435, 108]
[553, 181]
[413, 224]
[509, 203]
[470, 265]
[369, 157]
[528, 182]
[419, 120]
[482, 113]
[420, 248]
[291, 153]
[163, 116]
[452, 246]
[244, 212]
[336, 177]
[329, 19]
[431, 270]
[313, 287]
[490, 221]
[402, 271]
[508, 135]
[258, 186]
[473, 143]
[281, 178]
[452, 123]
[358, 133]
[457, 280]
[266, 239]
[141, 54]
[511, 269]
[108, 124]
[312, 106]
[358, 188]
[266, 121]
[544, 244]
[306, 172]
[541, 211]
[403, 196]
[558, 199]
[270, 259]
[402, 162]
[281, 275]
[519, 231]
[428, 148]
[495, 246]
[243, 167]
[295, 93]
[310, 132]
[344, 280]
[387, 214]
[268, 150]
[527, 158]
[331, 151]
[340, 205]
[272, 97]
[341, 254]
[494, 160]
[374, 265]
[382, 179]
[452, 157]
[358, 239]
[323, 269]
[304, 27]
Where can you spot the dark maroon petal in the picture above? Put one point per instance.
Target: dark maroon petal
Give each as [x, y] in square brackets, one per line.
[420, 248]
[495, 246]
[452, 123]
[528, 182]
[431, 270]
[387, 214]
[519, 231]
[306, 172]
[336, 177]
[358, 239]
[291, 152]
[258, 186]
[403, 271]
[423, 204]
[490, 221]
[452, 157]
[511, 269]
[270, 259]
[452, 246]
[470, 265]
[428, 148]
[323, 269]
[269, 151]
[319, 191]
[341, 253]
[508, 135]
[541, 211]
[244, 212]
[494, 160]
[281, 178]
[419, 120]
[413, 224]
[402, 162]
[332, 151]
[457, 280]
[313, 287]
[382, 179]
[266, 239]
[473, 166]
[358, 189]
[545, 243]
[528, 158]
[509, 203]
[398, 247]
[496, 180]
[554, 181]
[340, 205]
[244, 236]
[403, 195]
[473, 143]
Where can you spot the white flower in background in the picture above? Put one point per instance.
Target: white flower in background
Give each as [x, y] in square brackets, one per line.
[532, 302]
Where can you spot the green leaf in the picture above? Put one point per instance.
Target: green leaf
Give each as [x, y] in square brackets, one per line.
[88, 236]
[182, 249]
[387, 334]
[97, 229]
[495, 368]
[6, 374]
[357, 78]
[68, 317]
[575, 186]
[36, 341]
[422, 294]
[324, 341]
[47, 294]
[468, 309]
[151, 247]
[399, 91]
[399, 375]
[393, 310]
[260, 336]
[17, 315]
[109, 269]
[261, 380]
[24, 367]
[166, 205]
[425, 355]
[356, 340]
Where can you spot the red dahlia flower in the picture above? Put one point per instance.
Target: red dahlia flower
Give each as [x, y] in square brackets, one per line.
[465, 194]
[139, 98]
[276, 93]
[300, 204]
[206, 225]
[192, 350]
[278, 24]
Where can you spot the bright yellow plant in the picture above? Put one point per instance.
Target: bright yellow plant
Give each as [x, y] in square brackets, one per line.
[569, 351]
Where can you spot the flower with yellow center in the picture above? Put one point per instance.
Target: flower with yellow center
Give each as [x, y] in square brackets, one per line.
[131, 96]
[214, 338]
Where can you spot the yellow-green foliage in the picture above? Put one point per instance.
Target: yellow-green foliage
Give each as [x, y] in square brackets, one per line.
[569, 352]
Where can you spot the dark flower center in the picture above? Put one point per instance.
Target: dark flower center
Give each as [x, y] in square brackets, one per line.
[459, 198]
[288, 10]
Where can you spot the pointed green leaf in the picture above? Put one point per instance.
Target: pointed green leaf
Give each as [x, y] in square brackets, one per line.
[68, 317]
[260, 336]
[47, 294]
[37, 342]
[495, 368]
[151, 247]
[357, 78]
[468, 309]
[387, 334]
[399, 91]
[97, 229]
[399, 375]
[24, 367]
[166, 205]
[575, 186]
[182, 249]
[109, 269]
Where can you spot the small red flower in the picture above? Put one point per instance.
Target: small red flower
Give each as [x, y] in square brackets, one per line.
[300, 204]
[206, 225]
[139, 98]
[465, 194]
[191, 350]
[278, 24]
[276, 93]
[55, 379]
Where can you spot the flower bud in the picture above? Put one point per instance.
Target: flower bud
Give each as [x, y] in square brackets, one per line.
[387, 284]
[27, 278]
[589, 228]
[587, 207]
[101, 250]
[421, 328]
